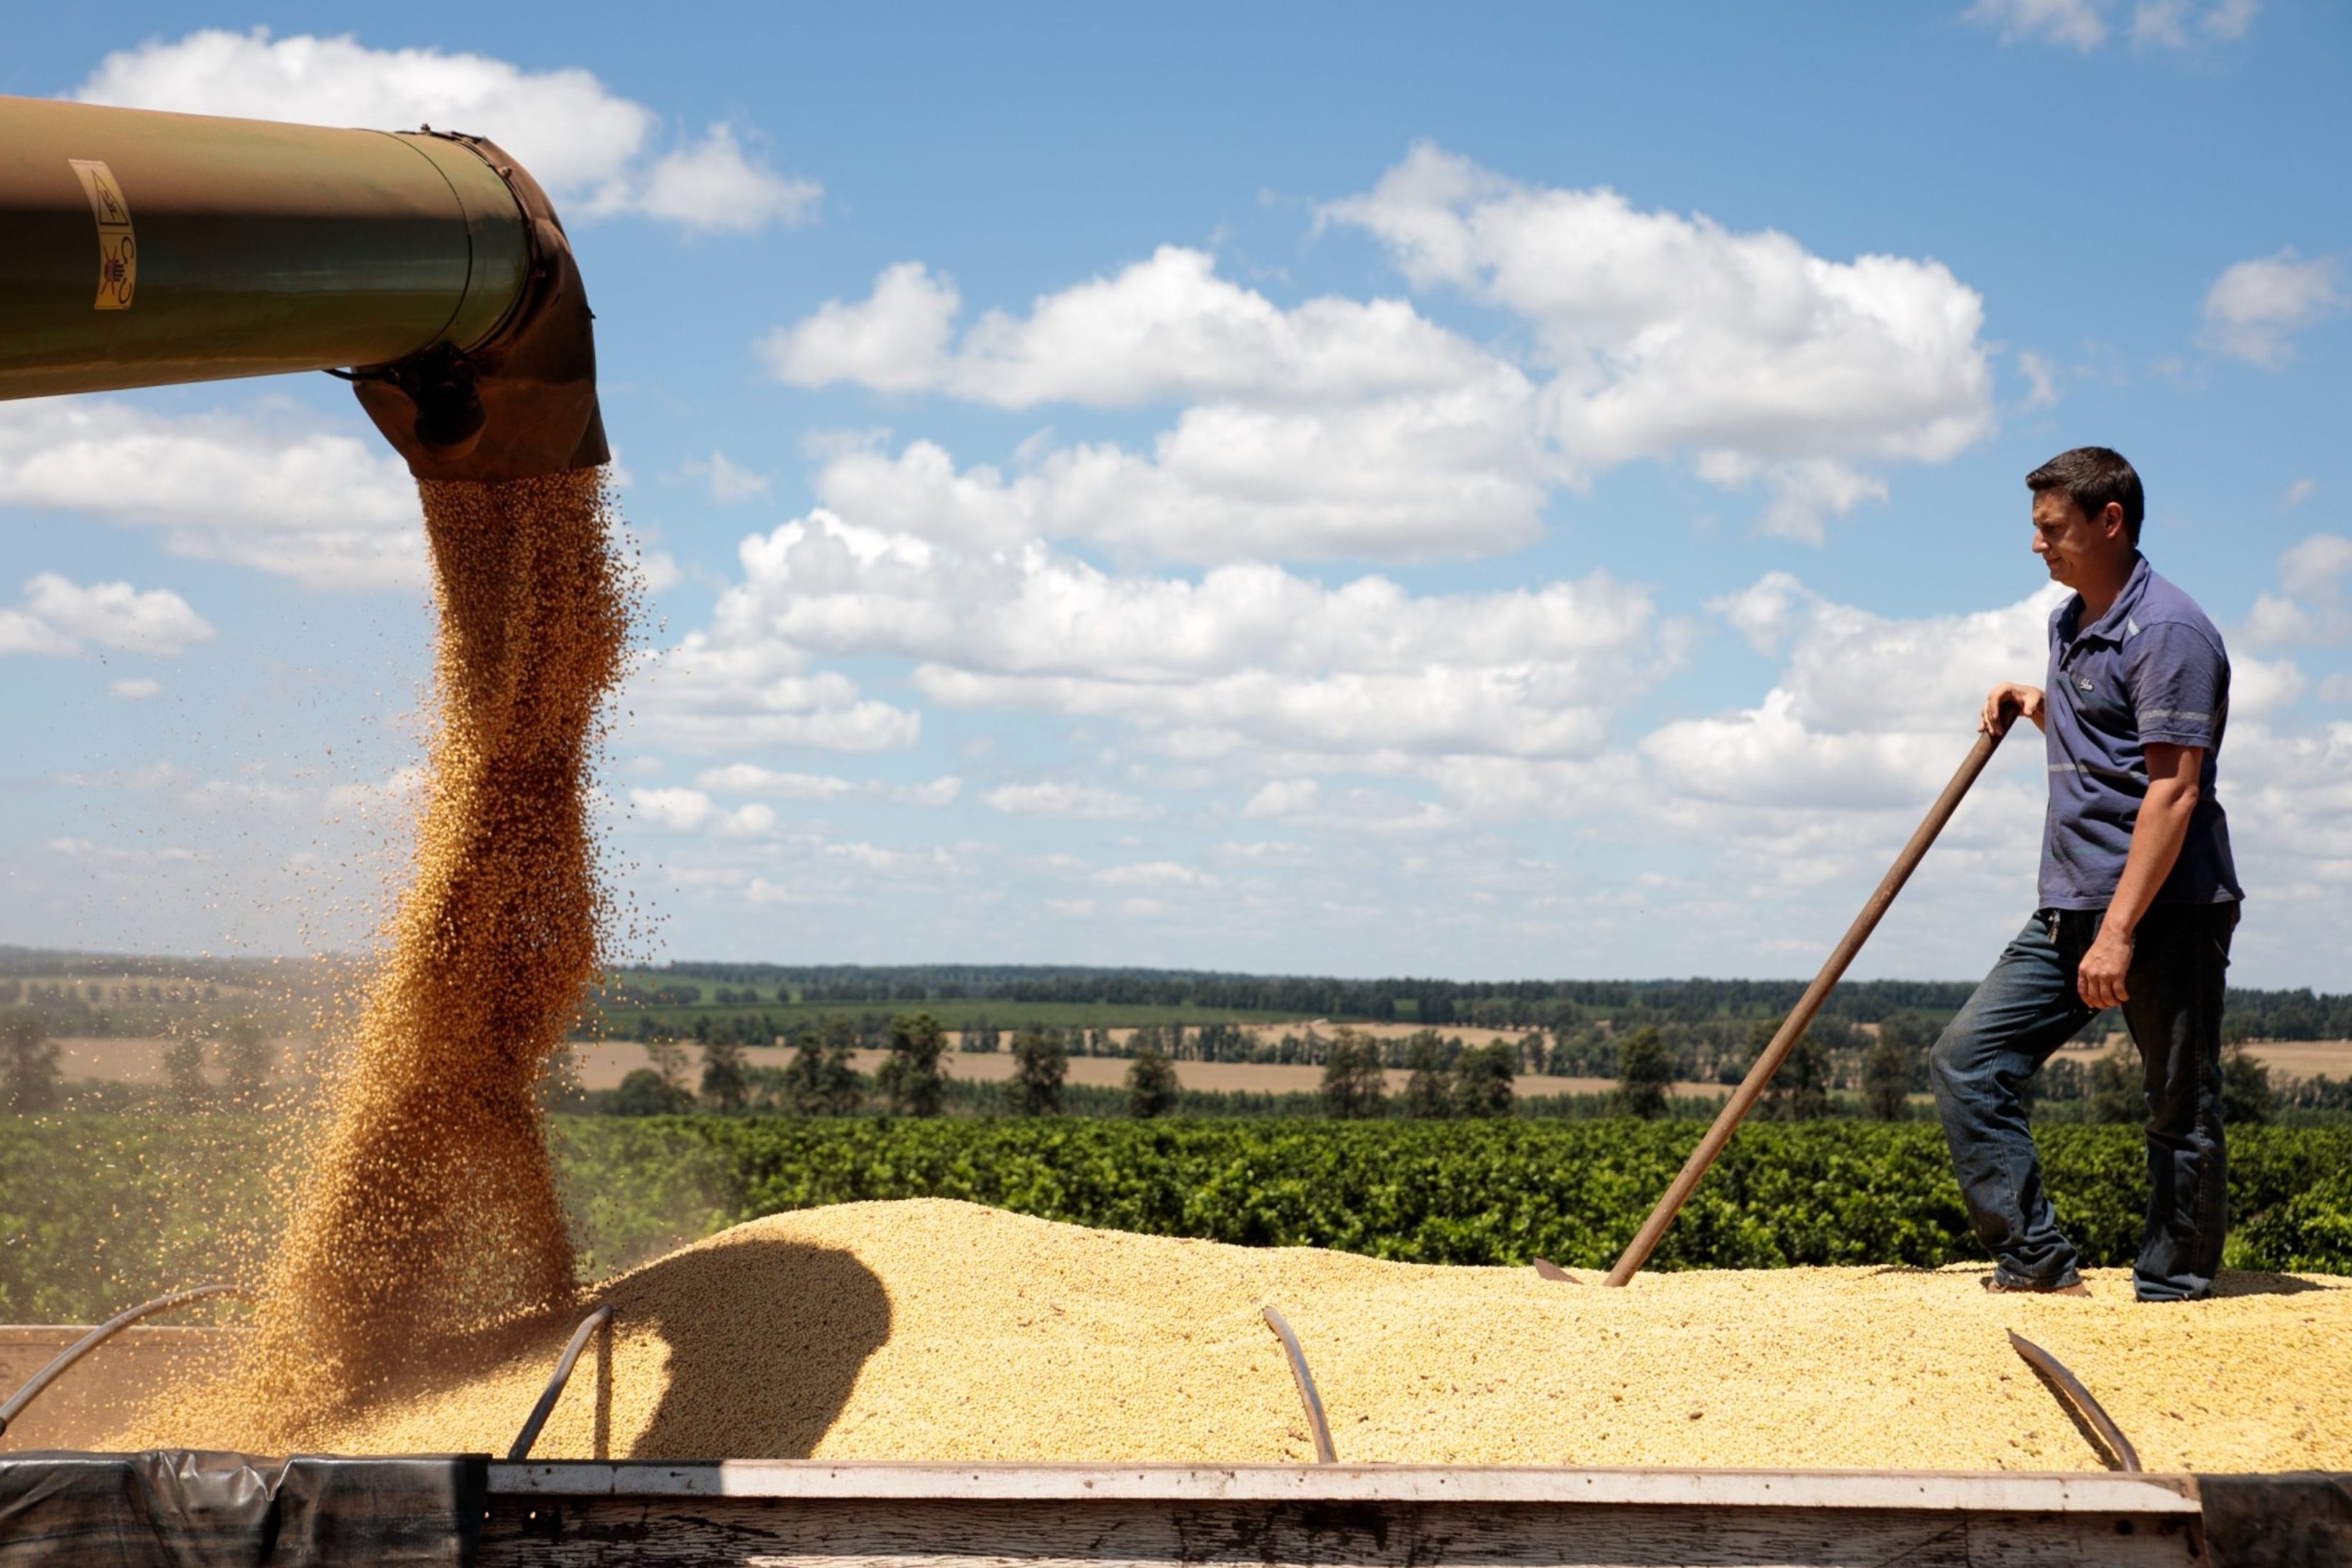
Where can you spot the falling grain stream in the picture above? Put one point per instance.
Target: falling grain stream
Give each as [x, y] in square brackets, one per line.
[430, 1210]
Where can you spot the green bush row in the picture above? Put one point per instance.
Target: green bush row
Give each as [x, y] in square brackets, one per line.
[1501, 1192]
[97, 1211]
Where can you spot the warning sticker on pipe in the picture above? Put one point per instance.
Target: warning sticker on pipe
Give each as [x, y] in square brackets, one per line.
[118, 252]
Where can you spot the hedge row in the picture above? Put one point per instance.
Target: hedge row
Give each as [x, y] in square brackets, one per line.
[1812, 1193]
[99, 1210]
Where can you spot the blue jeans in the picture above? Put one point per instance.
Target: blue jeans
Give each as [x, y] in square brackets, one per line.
[2028, 1007]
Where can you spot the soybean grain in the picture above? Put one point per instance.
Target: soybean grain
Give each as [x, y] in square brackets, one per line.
[936, 1329]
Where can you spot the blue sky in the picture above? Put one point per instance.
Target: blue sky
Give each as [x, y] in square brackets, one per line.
[1358, 490]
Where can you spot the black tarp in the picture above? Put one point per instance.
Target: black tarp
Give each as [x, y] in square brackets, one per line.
[190, 1508]
[2297, 1518]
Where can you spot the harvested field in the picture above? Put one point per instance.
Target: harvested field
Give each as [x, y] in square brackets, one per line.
[934, 1330]
[603, 1064]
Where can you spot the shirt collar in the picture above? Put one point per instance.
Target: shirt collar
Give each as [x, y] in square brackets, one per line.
[2116, 624]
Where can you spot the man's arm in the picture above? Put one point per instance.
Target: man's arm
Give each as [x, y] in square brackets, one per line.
[2158, 834]
[2006, 701]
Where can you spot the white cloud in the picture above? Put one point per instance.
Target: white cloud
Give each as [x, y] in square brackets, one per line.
[728, 482]
[1389, 481]
[1249, 656]
[2084, 25]
[680, 810]
[589, 146]
[1284, 797]
[1154, 874]
[2297, 493]
[883, 860]
[1165, 328]
[397, 790]
[2041, 376]
[748, 778]
[1804, 493]
[255, 796]
[709, 695]
[1866, 712]
[2309, 609]
[139, 688]
[1335, 429]
[2262, 686]
[940, 792]
[1273, 852]
[711, 185]
[658, 570]
[1071, 801]
[2226, 21]
[22, 631]
[2255, 307]
[2076, 23]
[894, 341]
[1673, 334]
[692, 811]
[1305, 803]
[2178, 23]
[60, 617]
[2289, 797]
[267, 490]
[1341, 428]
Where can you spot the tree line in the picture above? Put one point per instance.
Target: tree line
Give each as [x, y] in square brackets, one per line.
[1552, 1004]
[1831, 1071]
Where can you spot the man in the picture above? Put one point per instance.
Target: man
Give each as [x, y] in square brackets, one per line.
[2138, 898]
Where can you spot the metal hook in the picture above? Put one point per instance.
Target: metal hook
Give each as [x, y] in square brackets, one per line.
[2071, 1390]
[555, 1389]
[98, 1336]
[1324, 1452]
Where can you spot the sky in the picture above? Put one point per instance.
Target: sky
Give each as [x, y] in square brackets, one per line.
[1523, 490]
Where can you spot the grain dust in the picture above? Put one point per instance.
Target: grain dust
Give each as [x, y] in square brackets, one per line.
[935, 1330]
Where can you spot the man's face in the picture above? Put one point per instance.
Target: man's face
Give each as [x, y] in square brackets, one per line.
[2071, 545]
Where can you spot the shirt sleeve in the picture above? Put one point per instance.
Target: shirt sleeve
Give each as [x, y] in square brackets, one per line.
[2179, 681]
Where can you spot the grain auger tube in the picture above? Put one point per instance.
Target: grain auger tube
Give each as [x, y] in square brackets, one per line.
[428, 268]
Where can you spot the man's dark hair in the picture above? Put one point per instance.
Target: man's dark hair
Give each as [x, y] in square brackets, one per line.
[2091, 476]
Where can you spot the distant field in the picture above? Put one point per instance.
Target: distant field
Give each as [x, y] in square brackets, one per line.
[961, 1013]
[603, 1064]
[2285, 1058]
[2306, 1058]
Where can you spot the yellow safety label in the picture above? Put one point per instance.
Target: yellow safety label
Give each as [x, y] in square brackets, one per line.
[118, 252]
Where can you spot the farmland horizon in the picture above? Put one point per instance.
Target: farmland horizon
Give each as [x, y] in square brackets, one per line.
[24, 963]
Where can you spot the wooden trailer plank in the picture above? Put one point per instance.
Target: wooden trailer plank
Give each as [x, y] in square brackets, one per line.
[852, 1532]
[2063, 1492]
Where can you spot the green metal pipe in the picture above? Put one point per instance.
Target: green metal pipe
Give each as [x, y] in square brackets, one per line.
[138, 248]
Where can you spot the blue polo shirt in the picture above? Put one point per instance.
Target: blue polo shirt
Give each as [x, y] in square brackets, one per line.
[2151, 669]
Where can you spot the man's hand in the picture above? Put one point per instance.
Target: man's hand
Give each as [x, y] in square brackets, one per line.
[2099, 978]
[2006, 701]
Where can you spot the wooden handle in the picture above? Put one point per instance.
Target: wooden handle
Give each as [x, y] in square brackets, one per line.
[1792, 1028]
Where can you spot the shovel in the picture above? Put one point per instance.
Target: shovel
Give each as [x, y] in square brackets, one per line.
[1792, 1028]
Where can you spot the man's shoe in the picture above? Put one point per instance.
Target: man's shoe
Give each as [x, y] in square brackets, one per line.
[1995, 1285]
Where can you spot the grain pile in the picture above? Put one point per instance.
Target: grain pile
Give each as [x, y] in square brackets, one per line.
[933, 1330]
[430, 1208]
